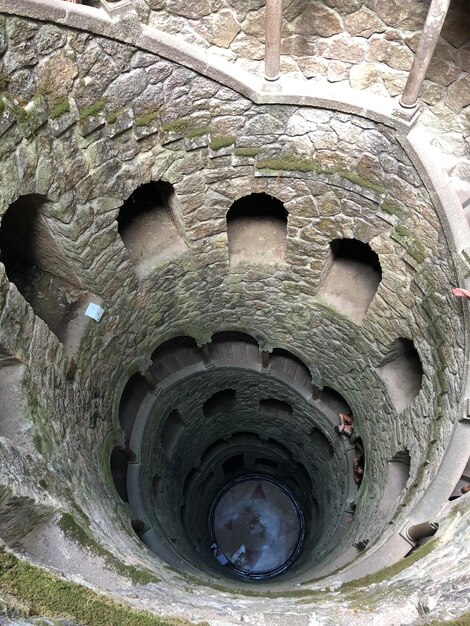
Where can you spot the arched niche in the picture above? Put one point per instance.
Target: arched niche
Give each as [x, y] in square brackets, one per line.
[320, 444]
[149, 226]
[234, 345]
[334, 400]
[132, 396]
[172, 431]
[290, 365]
[40, 270]
[118, 465]
[233, 465]
[275, 408]
[350, 278]
[221, 402]
[173, 355]
[257, 229]
[402, 372]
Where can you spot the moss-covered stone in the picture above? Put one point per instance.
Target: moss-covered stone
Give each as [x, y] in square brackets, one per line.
[76, 533]
[246, 152]
[289, 164]
[146, 119]
[176, 126]
[92, 109]
[198, 132]
[389, 572]
[402, 231]
[61, 107]
[50, 596]
[391, 209]
[4, 81]
[218, 143]
[112, 118]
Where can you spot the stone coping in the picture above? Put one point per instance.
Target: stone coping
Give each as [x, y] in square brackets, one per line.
[128, 29]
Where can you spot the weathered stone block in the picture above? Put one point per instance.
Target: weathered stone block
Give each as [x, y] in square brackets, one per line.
[363, 23]
[317, 19]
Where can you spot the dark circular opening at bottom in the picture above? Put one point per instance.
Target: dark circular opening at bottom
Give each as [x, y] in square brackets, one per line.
[256, 526]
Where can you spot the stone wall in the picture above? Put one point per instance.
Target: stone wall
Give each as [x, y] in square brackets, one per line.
[365, 45]
[119, 117]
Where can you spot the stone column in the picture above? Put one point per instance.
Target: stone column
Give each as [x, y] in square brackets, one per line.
[206, 358]
[427, 44]
[265, 359]
[272, 52]
[151, 381]
[315, 391]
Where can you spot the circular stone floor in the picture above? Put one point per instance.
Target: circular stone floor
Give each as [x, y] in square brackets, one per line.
[257, 527]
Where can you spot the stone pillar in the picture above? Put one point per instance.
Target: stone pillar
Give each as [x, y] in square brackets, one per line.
[420, 531]
[315, 391]
[427, 44]
[206, 359]
[151, 381]
[265, 359]
[272, 51]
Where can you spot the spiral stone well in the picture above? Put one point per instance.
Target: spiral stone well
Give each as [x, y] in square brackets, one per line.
[266, 256]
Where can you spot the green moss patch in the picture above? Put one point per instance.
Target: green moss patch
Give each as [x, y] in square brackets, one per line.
[92, 109]
[359, 180]
[146, 119]
[61, 107]
[112, 118]
[218, 143]
[76, 533]
[289, 165]
[403, 231]
[198, 132]
[417, 252]
[4, 81]
[176, 126]
[389, 572]
[293, 164]
[50, 596]
[391, 210]
[246, 152]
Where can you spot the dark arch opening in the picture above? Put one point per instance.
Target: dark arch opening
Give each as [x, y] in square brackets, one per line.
[172, 431]
[233, 465]
[350, 277]
[39, 269]
[402, 372]
[234, 344]
[220, 402]
[257, 229]
[132, 396]
[147, 225]
[290, 365]
[320, 444]
[334, 400]
[173, 355]
[118, 465]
